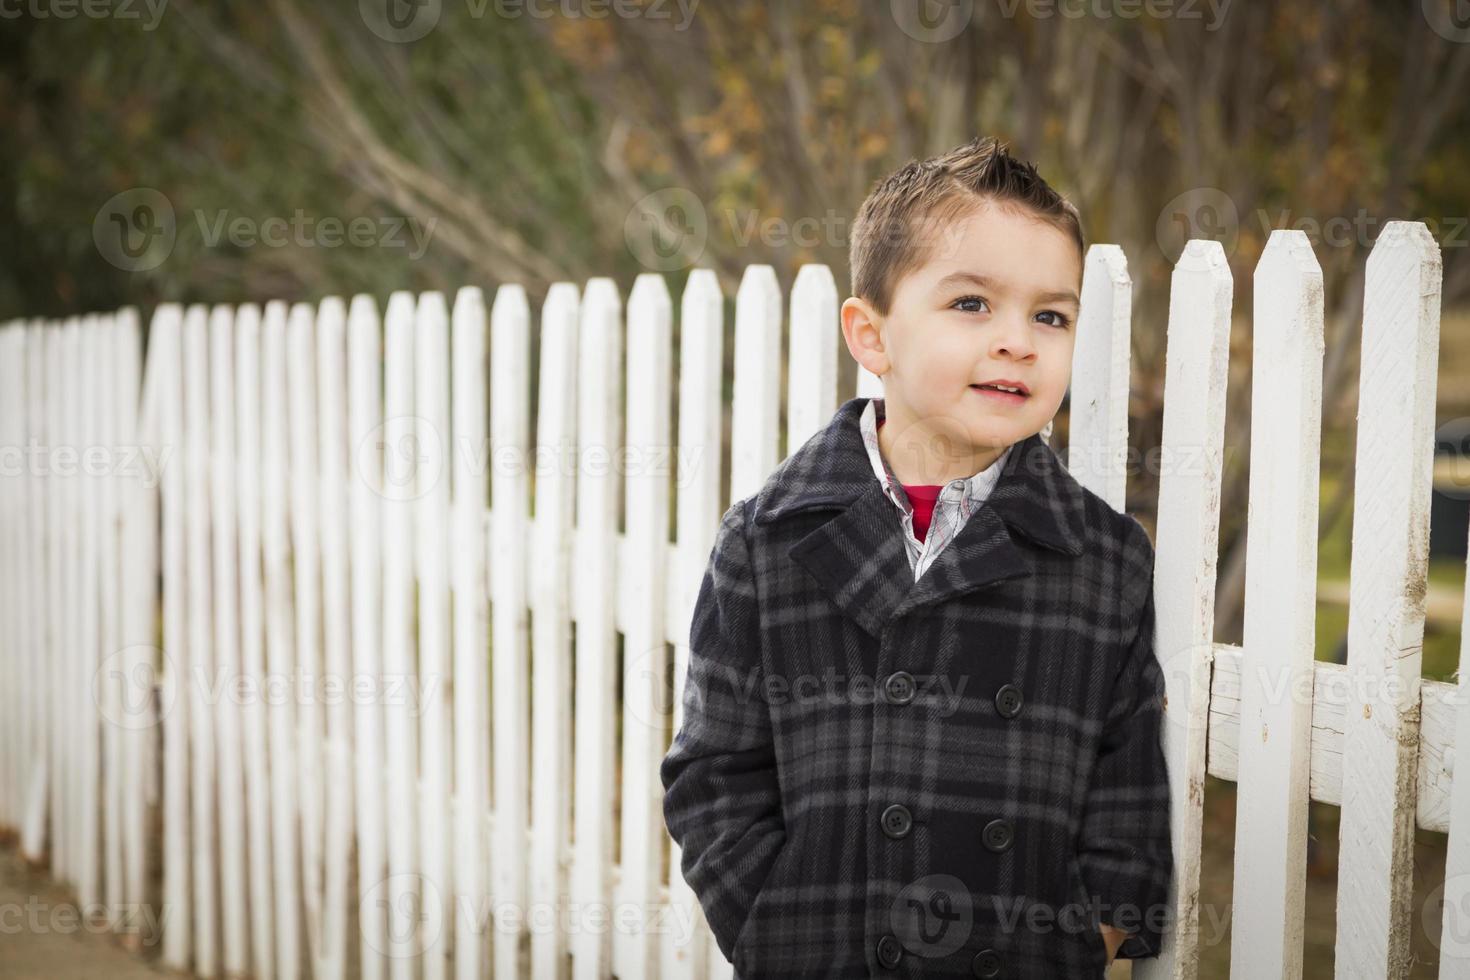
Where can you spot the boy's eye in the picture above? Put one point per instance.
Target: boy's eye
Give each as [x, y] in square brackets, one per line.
[966, 305]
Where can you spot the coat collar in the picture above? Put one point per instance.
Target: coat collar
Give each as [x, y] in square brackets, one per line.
[858, 557]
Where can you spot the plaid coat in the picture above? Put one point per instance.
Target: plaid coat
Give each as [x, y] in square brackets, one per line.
[954, 776]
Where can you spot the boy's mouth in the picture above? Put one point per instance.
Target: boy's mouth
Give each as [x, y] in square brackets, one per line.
[1008, 394]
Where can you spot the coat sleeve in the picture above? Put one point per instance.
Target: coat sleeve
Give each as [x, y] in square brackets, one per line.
[722, 802]
[1126, 854]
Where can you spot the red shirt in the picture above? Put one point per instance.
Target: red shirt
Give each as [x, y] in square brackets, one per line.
[923, 496]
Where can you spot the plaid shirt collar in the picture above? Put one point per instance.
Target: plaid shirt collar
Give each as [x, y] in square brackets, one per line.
[972, 489]
[958, 499]
[1032, 491]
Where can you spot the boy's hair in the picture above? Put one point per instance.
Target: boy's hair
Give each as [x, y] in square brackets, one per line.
[905, 216]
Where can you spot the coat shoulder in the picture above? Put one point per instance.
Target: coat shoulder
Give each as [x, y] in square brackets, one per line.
[1120, 539]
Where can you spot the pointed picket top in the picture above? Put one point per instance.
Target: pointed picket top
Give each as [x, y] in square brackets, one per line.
[560, 298]
[163, 326]
[362, 313]
[432, 312]
[400, 307]
[701, 287]
[331, 312]
[468, 301]
[601, 297]
[701, 414]
[756, 408]
[811, 389]
[1098, 451]
[301, 319]
[1288, 269]
[510, 301]
[431, 409]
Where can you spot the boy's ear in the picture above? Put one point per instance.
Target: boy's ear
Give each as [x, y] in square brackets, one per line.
[863, 329]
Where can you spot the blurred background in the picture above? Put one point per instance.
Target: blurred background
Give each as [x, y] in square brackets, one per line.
[167, 150]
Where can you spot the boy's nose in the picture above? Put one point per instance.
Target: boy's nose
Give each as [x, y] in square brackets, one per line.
[1013, 339]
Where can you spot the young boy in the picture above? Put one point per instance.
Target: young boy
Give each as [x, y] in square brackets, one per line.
[923, 716]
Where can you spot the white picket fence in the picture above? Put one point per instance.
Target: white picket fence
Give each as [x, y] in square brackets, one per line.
[301, 728]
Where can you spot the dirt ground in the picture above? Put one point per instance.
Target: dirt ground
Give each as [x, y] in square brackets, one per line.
[43, 936]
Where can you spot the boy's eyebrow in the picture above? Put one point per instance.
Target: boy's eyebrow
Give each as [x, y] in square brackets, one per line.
[984, 282]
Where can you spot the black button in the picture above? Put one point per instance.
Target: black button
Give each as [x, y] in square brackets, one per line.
[997, 835]
[889, 951]
[1008, 700]
[897, 821]
[986, 963]
[900, 687]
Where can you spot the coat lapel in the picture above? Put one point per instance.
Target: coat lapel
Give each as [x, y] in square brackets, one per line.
[858, 559]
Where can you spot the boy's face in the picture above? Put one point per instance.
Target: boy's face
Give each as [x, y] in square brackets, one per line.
[996, 300]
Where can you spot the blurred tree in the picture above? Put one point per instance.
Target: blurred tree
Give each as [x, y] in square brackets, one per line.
[539, 141]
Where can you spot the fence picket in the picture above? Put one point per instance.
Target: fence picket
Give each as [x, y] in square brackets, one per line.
[364, 422]
[398, 894]
[701, 461]
[280, 638]
[332, 507]
[1186, 550]
[1280, 610]
[811, 367]
[1390, 552]
[471, 752]
[1097, 450]
[594, 595]
[254, 719]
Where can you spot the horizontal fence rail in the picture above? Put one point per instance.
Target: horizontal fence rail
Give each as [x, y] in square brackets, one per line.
[341, 656]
